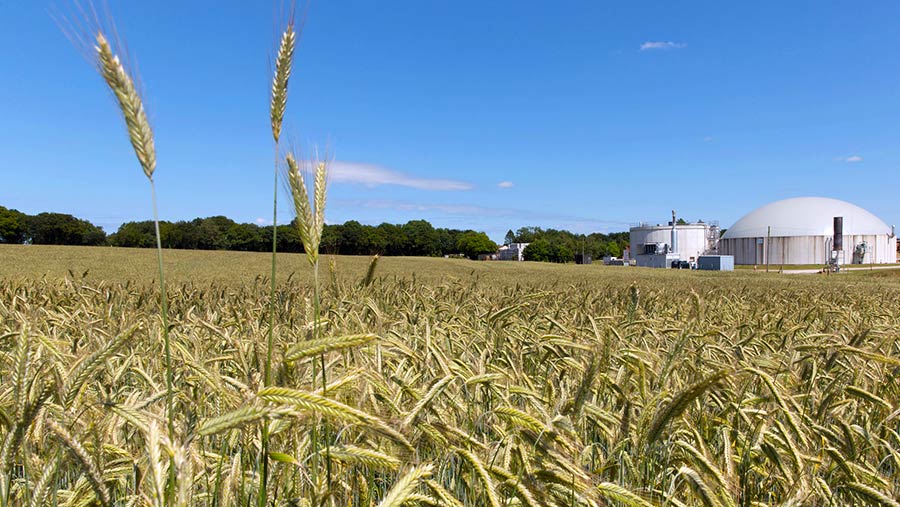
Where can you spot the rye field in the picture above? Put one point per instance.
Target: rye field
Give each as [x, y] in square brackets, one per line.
[442, 382]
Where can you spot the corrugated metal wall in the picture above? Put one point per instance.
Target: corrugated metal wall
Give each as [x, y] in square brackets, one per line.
[808, 249]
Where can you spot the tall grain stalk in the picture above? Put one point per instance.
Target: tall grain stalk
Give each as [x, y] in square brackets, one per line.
[283, 63]
[310, 224]
[121, 83]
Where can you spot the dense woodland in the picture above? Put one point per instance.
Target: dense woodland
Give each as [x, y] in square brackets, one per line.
[414, 238]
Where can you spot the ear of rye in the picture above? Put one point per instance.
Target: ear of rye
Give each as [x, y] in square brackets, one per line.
[283, 64]
[122, 85]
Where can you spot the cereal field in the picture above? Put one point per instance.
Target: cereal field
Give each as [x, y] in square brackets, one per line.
[442, 382]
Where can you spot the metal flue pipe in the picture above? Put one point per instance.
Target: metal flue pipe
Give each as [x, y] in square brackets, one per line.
[674, 234]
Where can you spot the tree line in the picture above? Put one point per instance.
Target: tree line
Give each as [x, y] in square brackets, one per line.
[553, 245]
[414, 238]
[48, 229]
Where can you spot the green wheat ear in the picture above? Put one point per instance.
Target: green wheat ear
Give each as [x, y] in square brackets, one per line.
[122, 85]
[310, 216]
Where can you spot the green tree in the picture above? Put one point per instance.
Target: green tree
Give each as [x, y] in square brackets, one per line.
[13, 226]
[472, 244]
[394, 238]
[135, 235]
[528, 234]
[211, 233]
[332, 239]
[450, 240]
[562, 254]
[244, 237]
[614, 249]
[510, 238]
[354, 238]
[170, 234]
[423, 239]
[62, 229]
[538, 250]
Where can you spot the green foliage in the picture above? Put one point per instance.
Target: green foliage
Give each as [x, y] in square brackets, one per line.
[414, 238]
[135, 235]
[598, 245]
[538, 250]
[424, 240]
[62, 229]
[472, 244]
[13, 226]
[542, 250]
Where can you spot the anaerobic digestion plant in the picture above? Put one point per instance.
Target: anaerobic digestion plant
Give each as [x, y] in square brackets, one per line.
[803, 230]
[659, 246]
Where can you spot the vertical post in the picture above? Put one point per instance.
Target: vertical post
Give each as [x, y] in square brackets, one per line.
[766, 252]
[674, 234]
[838, 242]
[782, 255]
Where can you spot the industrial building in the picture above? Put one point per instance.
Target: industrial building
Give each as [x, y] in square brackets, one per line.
[512, 252]
[659, 245]
[802, 231]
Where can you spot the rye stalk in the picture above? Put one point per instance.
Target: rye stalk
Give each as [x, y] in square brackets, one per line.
[310, 224]
[121, 83]
[283, 63]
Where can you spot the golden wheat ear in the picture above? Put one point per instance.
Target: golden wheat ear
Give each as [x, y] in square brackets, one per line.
[283, 64]
[121, 83]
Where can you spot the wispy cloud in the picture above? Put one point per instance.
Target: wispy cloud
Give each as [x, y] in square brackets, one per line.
[373, 175]
[662, 45]
[261, 221]
[505, 184]
[852, 159]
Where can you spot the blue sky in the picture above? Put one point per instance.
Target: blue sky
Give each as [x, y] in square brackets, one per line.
[489, 115]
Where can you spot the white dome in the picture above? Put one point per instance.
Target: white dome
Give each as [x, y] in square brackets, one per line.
[806, 216]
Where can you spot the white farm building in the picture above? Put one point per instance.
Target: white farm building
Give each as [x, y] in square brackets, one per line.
[801, 231]
[512, 252]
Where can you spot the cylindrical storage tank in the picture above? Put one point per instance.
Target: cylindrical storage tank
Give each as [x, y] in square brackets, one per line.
[801, 231]
[691, 239]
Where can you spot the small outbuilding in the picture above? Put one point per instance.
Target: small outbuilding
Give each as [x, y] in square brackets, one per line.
[715, 262]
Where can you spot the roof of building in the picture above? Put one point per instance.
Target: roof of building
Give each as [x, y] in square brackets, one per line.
[806, 216]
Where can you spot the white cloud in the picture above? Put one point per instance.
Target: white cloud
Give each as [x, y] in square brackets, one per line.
[261, 221]
[374, 175]
[663, 45]
[852, 158]
[505, 184]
